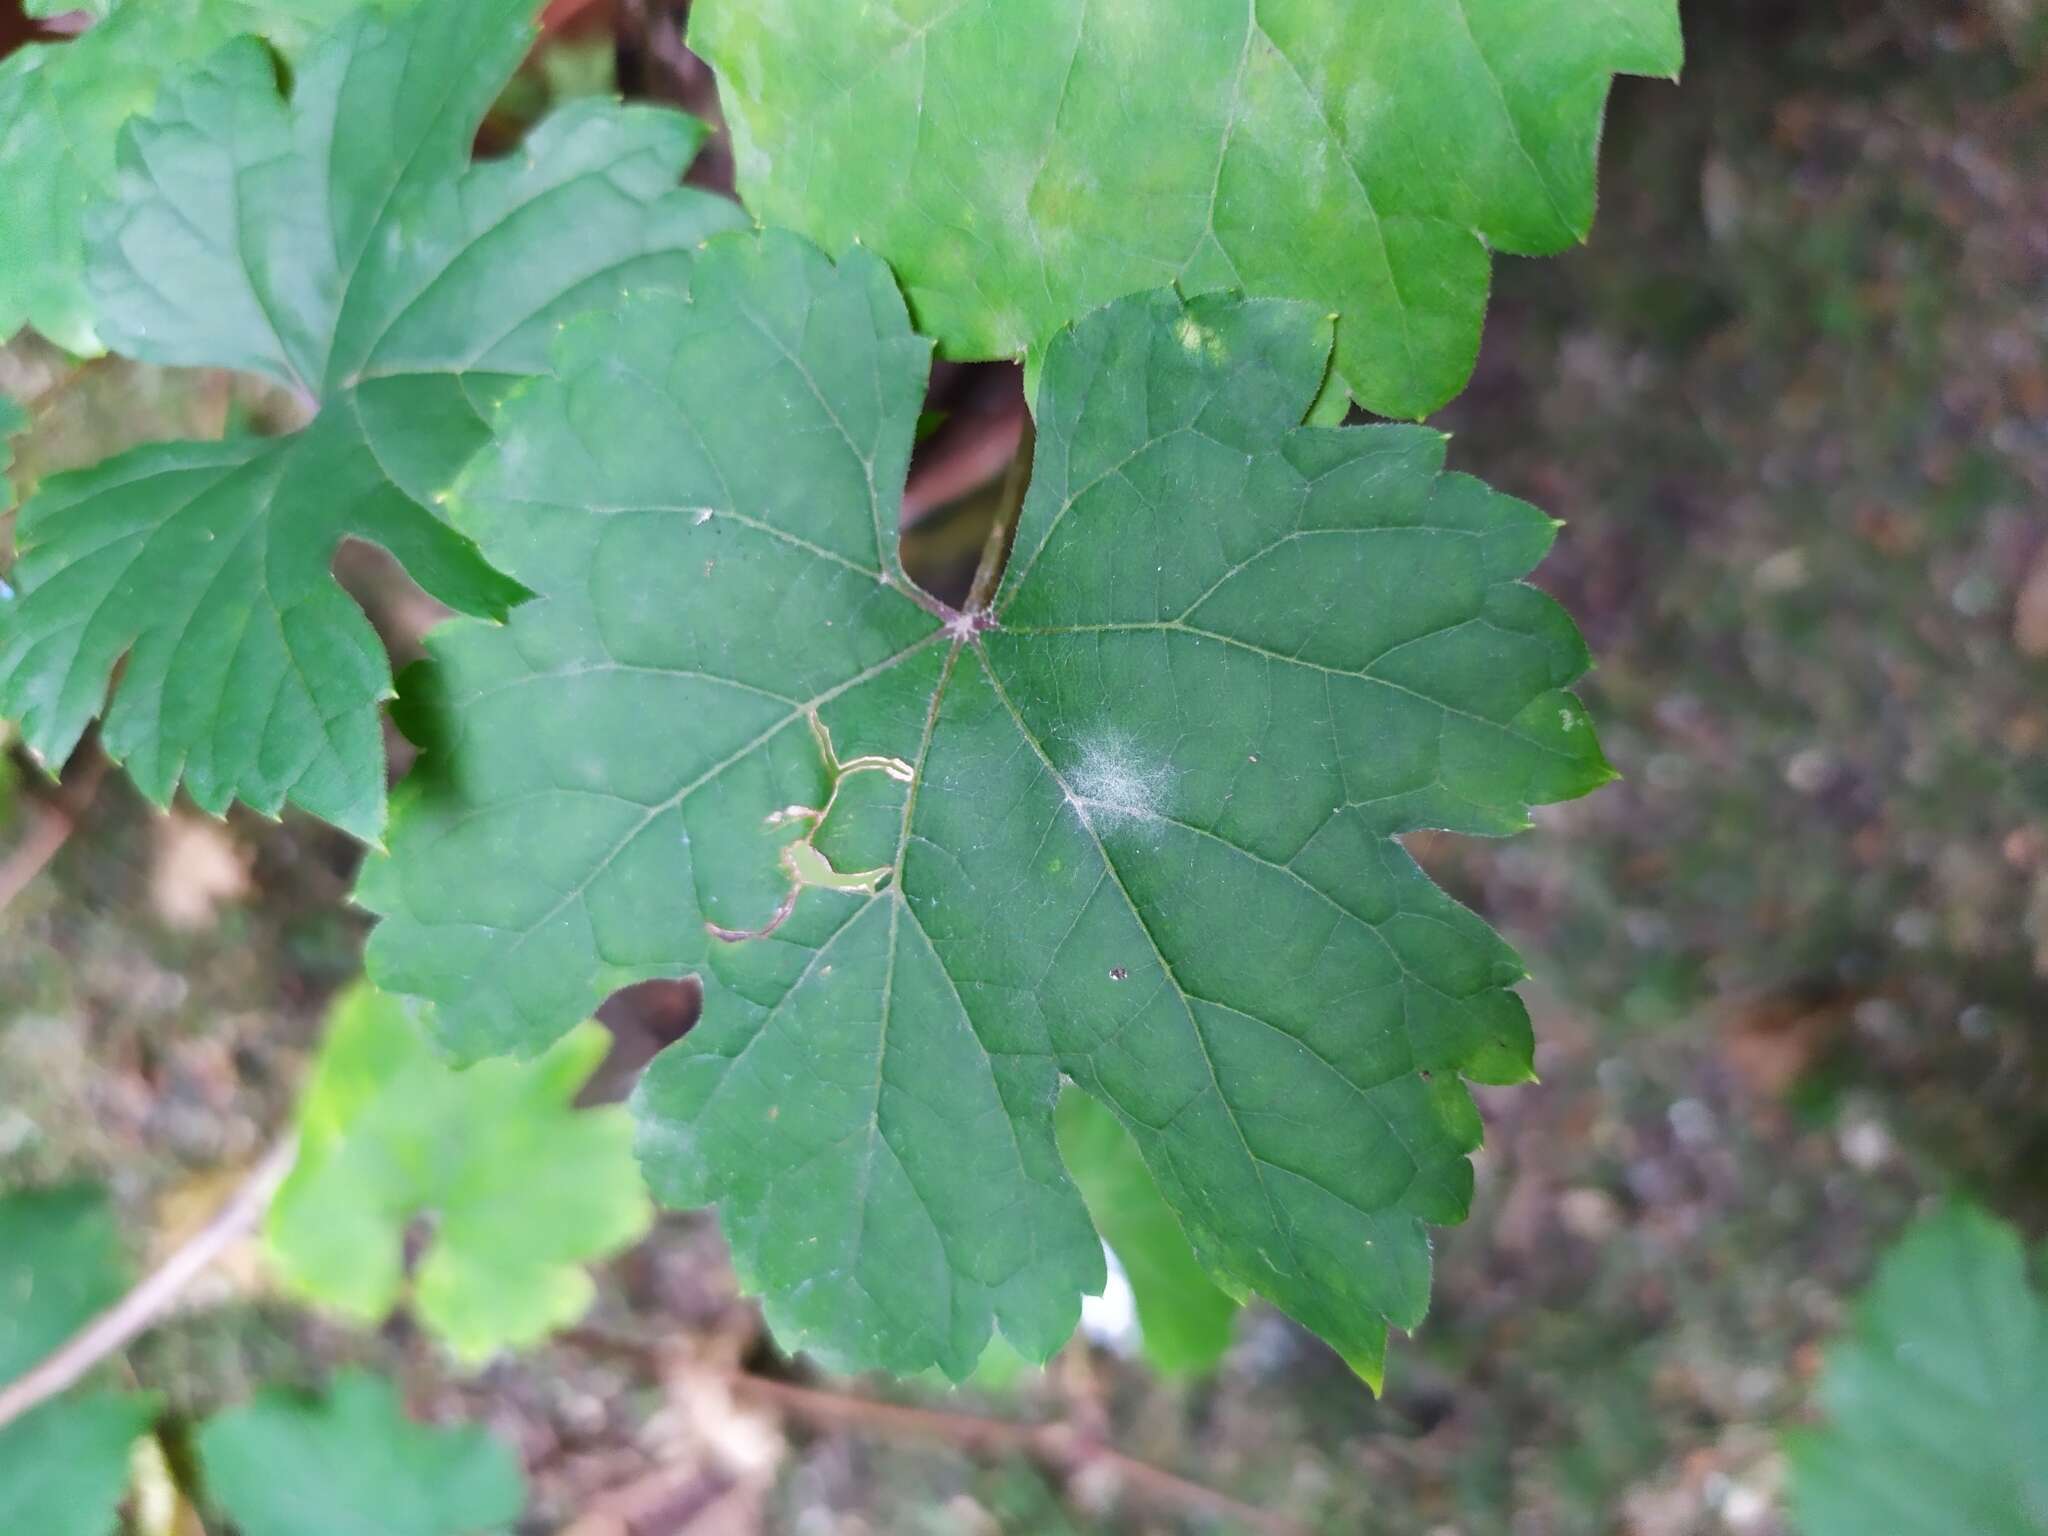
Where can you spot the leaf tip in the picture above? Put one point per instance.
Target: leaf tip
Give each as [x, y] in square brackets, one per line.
[1370, 1369]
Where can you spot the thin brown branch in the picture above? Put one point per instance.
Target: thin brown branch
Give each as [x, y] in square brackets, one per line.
[996, 551]
[50, 832]
[667, 1499]
[55, 820]
[134, 1313]
[557, 14]
[1063, 1452]
[1055, 1447]
[966, 464]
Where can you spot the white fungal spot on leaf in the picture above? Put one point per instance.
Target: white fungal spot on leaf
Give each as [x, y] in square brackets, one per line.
[1115, 780]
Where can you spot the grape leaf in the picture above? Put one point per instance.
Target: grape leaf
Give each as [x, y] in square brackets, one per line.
[337, 242]
[522, 1187]
[61, 106]
[1937, 1397]
[350, 1463]
[63, 1467]
[1021, 161]
[1184, 1322]
[13, 419]
[1140, 832]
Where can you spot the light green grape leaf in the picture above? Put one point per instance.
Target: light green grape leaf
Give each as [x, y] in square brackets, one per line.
[1021, 161]
[522, 1189]
[349, 1463]
[97, 9]
[1936, 1397]
[1184, 1322]
[338, 241]
[63, 1467]
[62, 106]
[1136, 826]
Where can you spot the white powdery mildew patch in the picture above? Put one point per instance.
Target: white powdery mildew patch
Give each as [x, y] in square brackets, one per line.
[1115, 782]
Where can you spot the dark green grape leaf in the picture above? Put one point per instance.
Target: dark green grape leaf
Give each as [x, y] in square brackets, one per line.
[1937, 1396]
[60, 1264]
[350, 1463]
[1020, 161]
[63, 1467]
[61, 107]
[1135, 827]
[340, 242]
[13, 419]
[1184, 1322]
[521, 1188]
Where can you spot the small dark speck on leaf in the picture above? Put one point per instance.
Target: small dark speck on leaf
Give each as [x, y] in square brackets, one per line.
[1118, 973]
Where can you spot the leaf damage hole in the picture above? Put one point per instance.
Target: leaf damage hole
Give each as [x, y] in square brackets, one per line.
[802, 860]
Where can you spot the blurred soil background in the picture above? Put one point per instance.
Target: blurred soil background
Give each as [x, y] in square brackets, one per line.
[1792, 972]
